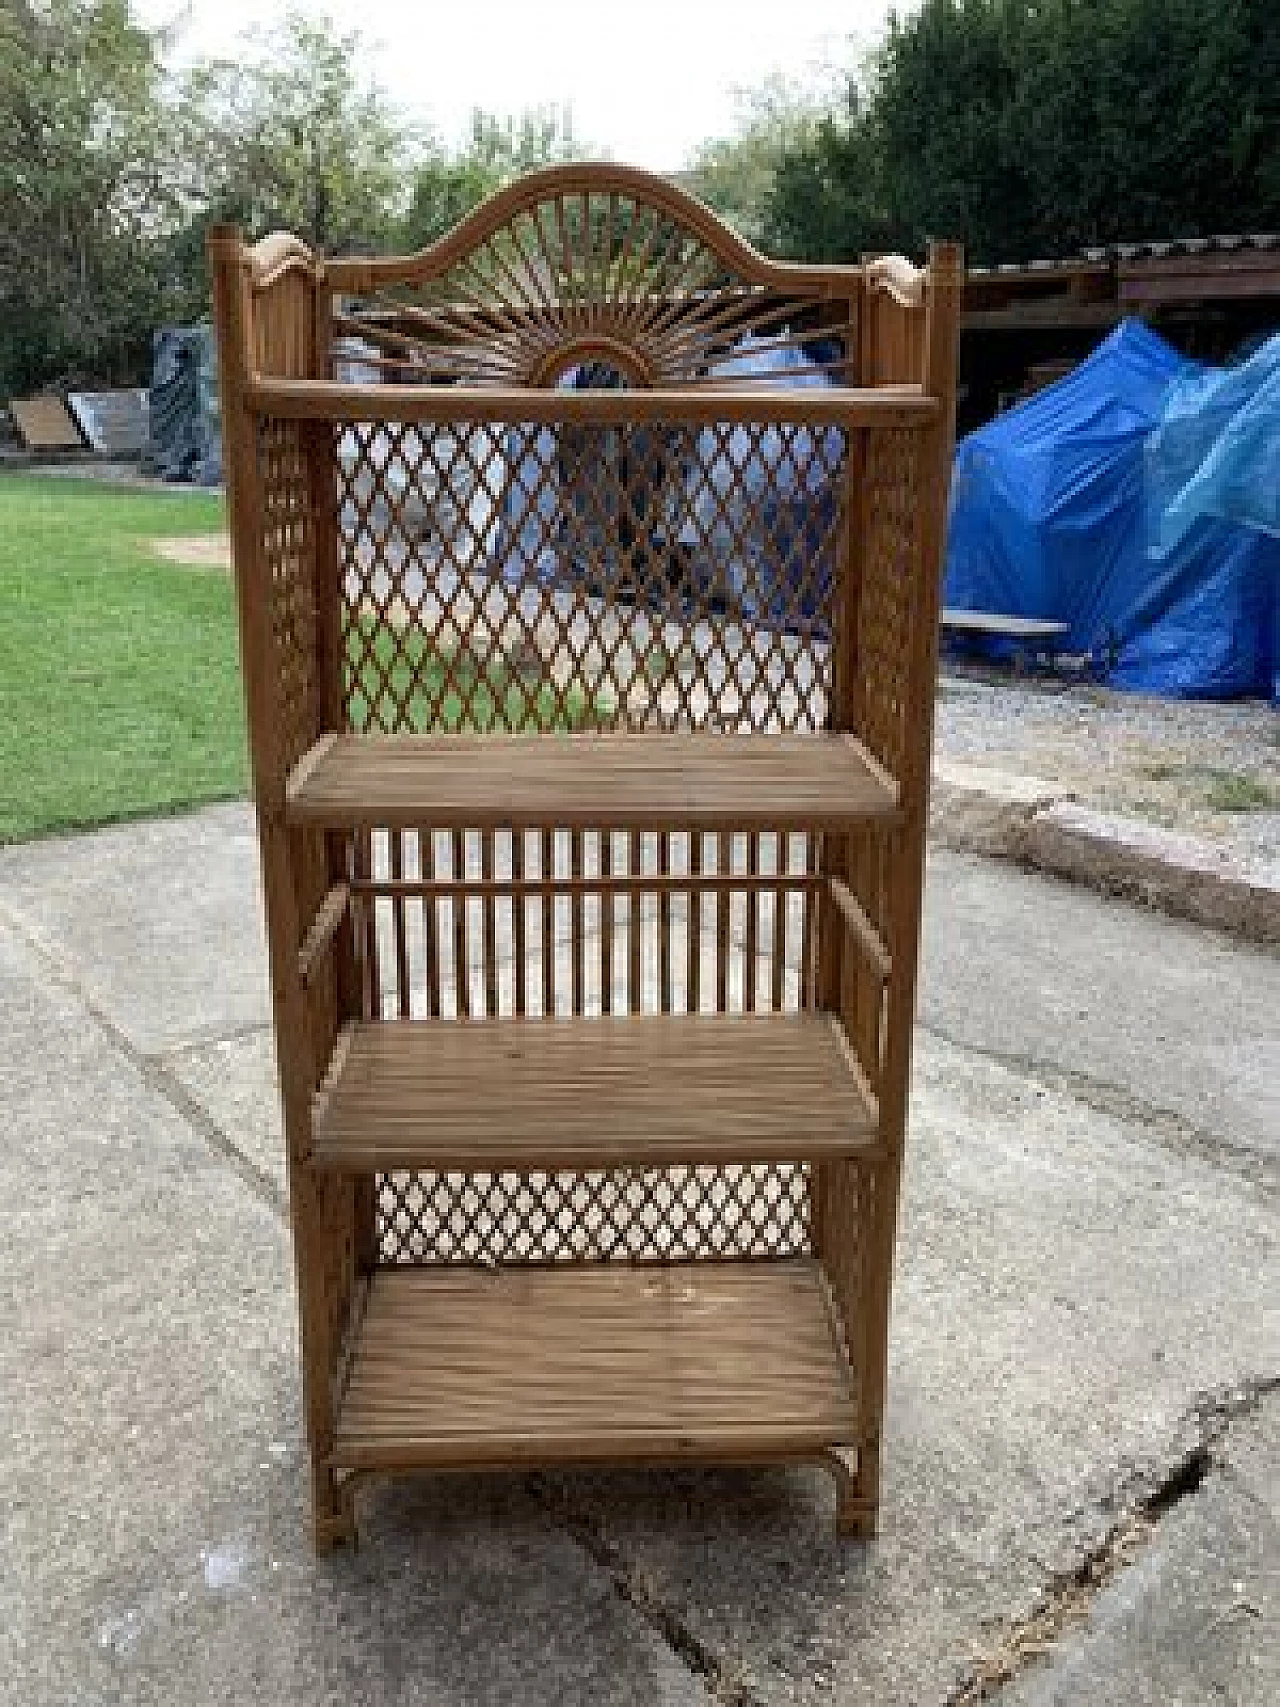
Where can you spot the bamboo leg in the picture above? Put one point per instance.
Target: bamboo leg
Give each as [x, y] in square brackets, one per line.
[334, 1508]
[857, 1478]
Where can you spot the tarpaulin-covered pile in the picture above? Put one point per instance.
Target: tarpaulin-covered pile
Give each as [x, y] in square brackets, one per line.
[1125, 501]
[185, 437]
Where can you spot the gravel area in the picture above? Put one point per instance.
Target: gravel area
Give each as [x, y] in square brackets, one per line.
[1206, 767]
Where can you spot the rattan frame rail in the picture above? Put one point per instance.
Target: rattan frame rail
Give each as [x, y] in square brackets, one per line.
[589, 672]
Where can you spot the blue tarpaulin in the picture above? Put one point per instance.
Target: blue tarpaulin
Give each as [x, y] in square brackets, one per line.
[1216, 453]
[1056, 514]
[185, 438]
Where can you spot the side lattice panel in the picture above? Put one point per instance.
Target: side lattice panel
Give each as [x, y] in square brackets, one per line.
[892, 494]
[289, 574]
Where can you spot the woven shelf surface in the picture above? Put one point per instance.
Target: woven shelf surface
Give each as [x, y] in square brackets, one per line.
[470, 1368]
[654, 781]
[567, 1093]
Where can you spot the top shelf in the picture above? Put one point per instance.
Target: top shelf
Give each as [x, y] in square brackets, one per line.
[640, 781]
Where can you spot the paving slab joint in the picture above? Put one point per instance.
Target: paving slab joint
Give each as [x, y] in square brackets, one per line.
[1069, 1594]
[722, 1675]
[1151, 1121]
[154, 1070]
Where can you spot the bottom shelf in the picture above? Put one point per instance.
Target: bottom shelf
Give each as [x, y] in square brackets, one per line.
[474, 1369]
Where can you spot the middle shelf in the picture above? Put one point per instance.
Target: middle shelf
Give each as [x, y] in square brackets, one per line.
[690, 780]
[576, 1093]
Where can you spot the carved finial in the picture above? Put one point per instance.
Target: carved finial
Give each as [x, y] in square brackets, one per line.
[895, 275]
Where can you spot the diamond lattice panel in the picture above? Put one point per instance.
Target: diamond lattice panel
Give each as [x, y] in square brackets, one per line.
[591, 575]
[289, 561]
[890, 591]
[633, 1215]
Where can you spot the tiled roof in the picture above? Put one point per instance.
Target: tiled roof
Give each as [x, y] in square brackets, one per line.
[1107, 254]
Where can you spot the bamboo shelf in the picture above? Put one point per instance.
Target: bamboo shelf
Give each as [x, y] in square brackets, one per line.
[584, 1093]
[589, 671]
[722, 1362]
[488, 782]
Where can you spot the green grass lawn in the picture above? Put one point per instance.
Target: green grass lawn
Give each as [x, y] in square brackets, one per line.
[119, 673]
[403, 672]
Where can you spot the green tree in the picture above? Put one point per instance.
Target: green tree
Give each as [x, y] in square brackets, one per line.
[1032, 128]
[1149, 118]
[84, 191]
[291, 135]
[736, 174]
[447, 184]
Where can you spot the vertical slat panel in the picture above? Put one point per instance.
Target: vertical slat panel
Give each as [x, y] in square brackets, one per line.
[398, 936]
[366, 932]
[634, 967]
[519, 908]
[781, 921]
[664, 925]
[430, 922]
[808, 958]
[461, 947]
[489, 910]
[752, 934]
[606, 922]
[578, 947]
[547, 869]
[724, 843]
[695, 923]
[346, 965]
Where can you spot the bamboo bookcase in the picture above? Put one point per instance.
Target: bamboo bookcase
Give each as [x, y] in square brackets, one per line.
[590, 730]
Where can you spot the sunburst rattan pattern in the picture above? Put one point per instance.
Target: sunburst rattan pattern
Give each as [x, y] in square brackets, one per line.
[577, 274]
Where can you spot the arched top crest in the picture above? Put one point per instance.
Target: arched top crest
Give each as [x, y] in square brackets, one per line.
[590, 265]
[590, 211]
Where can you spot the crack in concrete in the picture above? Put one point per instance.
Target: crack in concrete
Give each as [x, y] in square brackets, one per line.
[152, 1069]
[1148, 1121]
[198, 1045]
[724, 1677]
[1069, 1595]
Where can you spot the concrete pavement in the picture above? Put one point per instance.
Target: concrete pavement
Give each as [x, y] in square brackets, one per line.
[1084, 1432]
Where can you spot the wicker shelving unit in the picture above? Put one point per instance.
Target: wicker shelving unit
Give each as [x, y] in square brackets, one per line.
[590, 730]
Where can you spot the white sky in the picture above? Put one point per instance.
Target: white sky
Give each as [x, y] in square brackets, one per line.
[646, 79]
